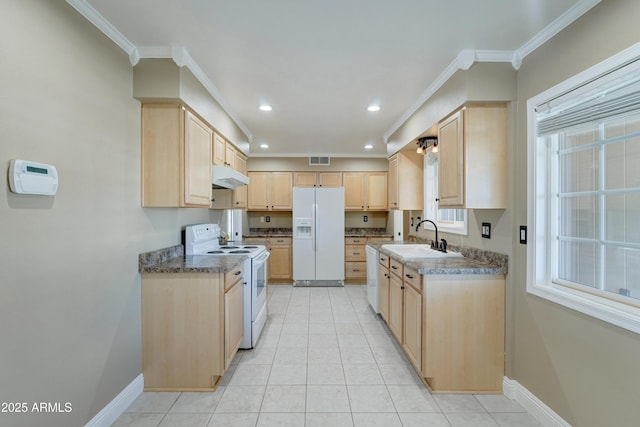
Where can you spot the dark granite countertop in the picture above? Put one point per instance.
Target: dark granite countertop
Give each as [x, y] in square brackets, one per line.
[173, 260]
[474, 261]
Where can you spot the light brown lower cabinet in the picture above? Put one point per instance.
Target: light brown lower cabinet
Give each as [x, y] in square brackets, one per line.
[191, 328]
[384, 277]
[280, 261]
[395, 321]
[412, 316]
[450, 326]
[463, 337]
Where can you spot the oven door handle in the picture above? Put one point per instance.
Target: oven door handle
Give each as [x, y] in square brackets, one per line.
[262, 257]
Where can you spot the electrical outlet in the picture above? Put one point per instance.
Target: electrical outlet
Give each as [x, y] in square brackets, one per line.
[486, 230]
[268, 218]
[365, 218]
[523, 234]
[261, 219]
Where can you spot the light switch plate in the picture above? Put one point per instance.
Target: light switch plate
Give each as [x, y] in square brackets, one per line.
[523, 234]
[486, 230]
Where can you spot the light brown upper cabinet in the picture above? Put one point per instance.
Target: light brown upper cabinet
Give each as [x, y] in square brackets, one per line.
[226, 154]
[270, 191]
[406, 181]
[176, 157]
[365, 191]
[472, 158]
[317, 179]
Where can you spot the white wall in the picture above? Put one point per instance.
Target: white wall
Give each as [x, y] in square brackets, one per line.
[69, 281]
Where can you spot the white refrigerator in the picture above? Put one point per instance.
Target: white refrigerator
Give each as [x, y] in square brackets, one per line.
[318, 236]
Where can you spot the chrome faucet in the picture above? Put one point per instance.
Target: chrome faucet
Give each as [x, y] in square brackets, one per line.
[438, 245]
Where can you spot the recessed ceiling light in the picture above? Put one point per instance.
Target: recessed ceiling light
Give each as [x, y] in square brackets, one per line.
[265, 107]
[264, 145]
[368, 146]
[373, 108]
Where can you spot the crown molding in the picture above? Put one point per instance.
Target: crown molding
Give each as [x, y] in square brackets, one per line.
[466, 58]
[563, 21]
[92, 15]
[179, 54]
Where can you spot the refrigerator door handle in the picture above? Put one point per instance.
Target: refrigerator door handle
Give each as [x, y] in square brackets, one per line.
[314, 234]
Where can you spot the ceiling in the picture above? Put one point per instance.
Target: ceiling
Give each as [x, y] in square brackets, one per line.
[321, 63]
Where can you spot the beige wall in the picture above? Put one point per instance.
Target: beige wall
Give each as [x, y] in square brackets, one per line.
[161, 80]
[69, 281]
[584, 369]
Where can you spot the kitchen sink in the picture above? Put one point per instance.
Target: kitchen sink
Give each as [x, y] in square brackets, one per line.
[419, 251]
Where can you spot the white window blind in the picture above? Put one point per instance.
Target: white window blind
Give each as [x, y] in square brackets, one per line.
[584, 193]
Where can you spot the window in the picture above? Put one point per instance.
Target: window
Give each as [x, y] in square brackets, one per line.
[584, 192]
[448, 220]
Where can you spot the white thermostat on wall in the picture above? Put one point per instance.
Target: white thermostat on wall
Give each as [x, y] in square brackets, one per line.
[27, 177]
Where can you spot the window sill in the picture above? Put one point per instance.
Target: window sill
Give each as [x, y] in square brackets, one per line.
[615, 313]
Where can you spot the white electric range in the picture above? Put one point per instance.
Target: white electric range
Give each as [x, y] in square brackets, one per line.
[202, 240]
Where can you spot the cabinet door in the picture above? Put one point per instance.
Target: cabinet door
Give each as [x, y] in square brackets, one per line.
[412, 334]
[395, 306]
[280, 262]
[161, 151]
[197, 168]
[230, 155]
[240, 193]
[450, 162]
[393, 182]
[219, 150]
[330, 179]
[240, 162]
[304, 179]
[257, 191]
[280, 193]
[353, 190]
[376, 191]
[233, 321]
[383, 277]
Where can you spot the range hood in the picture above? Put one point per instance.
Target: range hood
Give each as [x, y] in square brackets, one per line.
[225, 177]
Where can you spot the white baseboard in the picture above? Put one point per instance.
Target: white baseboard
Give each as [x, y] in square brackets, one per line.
[536, 407]
[110, 413]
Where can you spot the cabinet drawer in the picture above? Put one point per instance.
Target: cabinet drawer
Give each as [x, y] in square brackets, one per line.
[379, 239]
[395, 267]
[413, 278]
[232, 277]
[384, 260]
[355, 253]
[355, 240]
[280, 240]
[355, 270]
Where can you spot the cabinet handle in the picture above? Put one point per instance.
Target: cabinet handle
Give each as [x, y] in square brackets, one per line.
[409, 276]
[394, 267]
[437, 199]
[401, 287]
[238, 272]
[356, 253]
[381, 259]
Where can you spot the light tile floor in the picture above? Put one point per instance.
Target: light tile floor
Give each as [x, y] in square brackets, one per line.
[324, 359]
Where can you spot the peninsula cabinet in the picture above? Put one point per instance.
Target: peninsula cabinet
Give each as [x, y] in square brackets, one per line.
[406, 181]
[365, 191]
[463, 333]
[384, 277]
[176, 157]
[192, 327]
[270, 191]
[396, 297]
[472, 158]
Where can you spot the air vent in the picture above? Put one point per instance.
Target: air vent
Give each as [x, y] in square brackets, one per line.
[319, 161]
